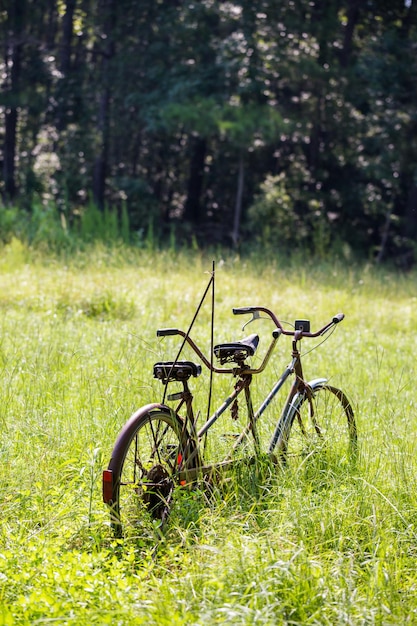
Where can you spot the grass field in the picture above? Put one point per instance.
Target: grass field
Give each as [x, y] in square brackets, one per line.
[77, 346]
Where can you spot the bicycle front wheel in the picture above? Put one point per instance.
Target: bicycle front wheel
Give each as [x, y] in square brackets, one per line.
[319, 424]
[147, 462]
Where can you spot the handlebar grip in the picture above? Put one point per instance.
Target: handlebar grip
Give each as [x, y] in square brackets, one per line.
[164, 332]
[338, 318]
[244, 310]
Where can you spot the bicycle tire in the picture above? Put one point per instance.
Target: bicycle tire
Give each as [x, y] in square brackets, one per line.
[146, 465]
[319, 422]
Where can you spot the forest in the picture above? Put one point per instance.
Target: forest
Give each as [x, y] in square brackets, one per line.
[291, 125]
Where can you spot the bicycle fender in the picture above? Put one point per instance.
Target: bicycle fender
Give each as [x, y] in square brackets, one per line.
[317, 382]
[131, 422]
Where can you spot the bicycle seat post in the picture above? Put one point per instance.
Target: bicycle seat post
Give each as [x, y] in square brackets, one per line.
[185, 397]
[188, 399]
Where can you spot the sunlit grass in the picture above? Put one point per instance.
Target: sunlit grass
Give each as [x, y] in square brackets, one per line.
[314, 546]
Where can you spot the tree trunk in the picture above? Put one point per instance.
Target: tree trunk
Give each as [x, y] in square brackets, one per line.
[100, 163]
[65, 94]
[13, 62]
[10, 187]
[192, 209]
[352, 20]
[238, 203]
[103, 116]
[67, 34]
[410, 220]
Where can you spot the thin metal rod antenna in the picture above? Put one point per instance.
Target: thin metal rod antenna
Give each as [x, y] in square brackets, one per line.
[211, 350]
[211, 281]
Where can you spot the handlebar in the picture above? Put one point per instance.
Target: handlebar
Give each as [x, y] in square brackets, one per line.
[298, 332]
[164, 332]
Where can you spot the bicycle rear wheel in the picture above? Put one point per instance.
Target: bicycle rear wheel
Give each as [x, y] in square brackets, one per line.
[146, 466]
[319, 424]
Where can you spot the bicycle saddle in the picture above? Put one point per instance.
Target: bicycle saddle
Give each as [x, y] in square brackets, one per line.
[237, 351]
[176, 370]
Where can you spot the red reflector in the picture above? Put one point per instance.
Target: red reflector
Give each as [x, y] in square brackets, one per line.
[107, 486]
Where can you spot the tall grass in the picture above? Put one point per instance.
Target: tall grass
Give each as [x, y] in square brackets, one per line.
[322, 546]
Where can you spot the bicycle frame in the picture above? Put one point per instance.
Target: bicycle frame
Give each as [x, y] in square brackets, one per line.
[298, 388]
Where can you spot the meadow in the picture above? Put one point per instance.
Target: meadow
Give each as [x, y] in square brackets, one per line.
[77, 345]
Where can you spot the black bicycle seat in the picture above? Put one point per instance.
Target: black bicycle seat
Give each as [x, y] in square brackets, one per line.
[176, 370]
[237, 351]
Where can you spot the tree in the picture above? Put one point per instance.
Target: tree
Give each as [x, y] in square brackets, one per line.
[218, 119]
[14, 27]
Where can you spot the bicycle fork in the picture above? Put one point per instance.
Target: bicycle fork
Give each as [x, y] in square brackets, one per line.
[290, 406]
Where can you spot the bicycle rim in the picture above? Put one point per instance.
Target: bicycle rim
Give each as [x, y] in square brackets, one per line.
[147, 462]
[322, 429]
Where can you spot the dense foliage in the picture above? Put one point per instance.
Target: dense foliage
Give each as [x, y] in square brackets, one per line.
[292, 123]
